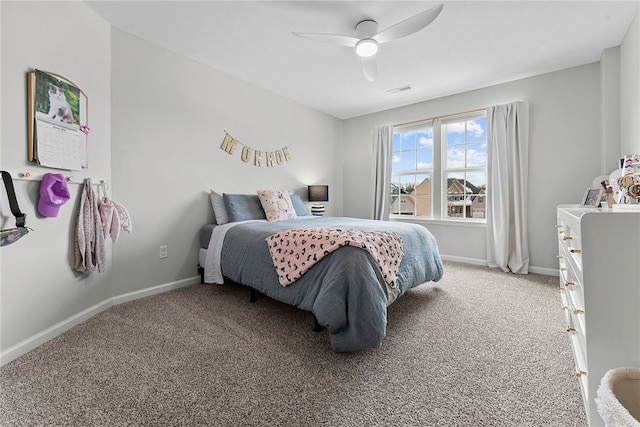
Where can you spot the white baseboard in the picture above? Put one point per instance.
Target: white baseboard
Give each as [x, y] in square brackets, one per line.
[535, 270]
[463, 260]
[130, 296]
[42, 337]
[545, 271]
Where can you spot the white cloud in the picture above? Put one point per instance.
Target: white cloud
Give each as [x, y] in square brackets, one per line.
[455, 158]
[476, 158]
[426, 142]
[457, 127]
[473, 127]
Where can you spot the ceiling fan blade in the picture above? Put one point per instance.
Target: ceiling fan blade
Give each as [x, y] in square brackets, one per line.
[369, 68]
[408, 26]
[329, 38]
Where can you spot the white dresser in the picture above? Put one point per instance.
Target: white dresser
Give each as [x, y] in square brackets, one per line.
[599, 258]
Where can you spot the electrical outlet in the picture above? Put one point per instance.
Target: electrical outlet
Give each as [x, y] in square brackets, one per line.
[163, 251]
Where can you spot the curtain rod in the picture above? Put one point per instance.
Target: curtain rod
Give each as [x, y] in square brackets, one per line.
[441, 117]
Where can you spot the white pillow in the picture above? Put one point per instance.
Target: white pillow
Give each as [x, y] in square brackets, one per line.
[277, 205]
[219, 209]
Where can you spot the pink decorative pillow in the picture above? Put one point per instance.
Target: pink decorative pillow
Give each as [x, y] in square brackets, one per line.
[277, 205]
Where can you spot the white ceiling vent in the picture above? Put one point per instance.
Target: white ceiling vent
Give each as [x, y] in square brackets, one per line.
[400, 89]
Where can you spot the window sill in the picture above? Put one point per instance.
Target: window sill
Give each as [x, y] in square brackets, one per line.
[440, 221]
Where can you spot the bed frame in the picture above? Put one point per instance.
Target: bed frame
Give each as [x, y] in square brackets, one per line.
[253, 294]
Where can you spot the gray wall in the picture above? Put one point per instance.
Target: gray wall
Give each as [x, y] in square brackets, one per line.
[581, 121]
[630, 90]
[169, 115]
[38, 286]
[564, 155]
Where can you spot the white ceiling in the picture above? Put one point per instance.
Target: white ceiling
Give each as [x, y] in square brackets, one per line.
[472, 44]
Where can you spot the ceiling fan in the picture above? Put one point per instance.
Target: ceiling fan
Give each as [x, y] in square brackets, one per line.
[368, 37]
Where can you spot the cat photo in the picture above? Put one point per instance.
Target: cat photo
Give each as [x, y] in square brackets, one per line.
[55, 99]
[59, 108]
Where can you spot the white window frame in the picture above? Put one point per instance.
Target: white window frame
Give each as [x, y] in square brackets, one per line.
[439, 172]
[414, 127]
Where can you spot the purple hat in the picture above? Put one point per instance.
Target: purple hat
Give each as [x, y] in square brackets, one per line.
[54, 193]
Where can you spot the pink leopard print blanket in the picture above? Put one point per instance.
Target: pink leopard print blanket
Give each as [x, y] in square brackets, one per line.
[294, 252]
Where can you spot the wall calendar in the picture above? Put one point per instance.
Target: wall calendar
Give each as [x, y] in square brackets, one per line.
[57, 130]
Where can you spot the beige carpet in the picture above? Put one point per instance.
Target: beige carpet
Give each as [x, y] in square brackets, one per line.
[478, 348]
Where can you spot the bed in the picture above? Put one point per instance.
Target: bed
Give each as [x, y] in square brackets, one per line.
[345, 289]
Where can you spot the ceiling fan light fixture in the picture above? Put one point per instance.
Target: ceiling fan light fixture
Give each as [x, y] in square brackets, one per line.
[366, 48]
[367, 37]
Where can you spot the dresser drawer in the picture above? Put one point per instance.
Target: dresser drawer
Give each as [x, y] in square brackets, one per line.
[574, 319]
[570, 242]
[570, 281]
[581, 371]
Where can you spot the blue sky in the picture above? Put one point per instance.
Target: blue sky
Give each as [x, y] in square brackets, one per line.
[466, 137]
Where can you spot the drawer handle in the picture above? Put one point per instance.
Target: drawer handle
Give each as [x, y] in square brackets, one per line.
[570, 329]
[578, 311]
[570, 283]
[564, 307]
[575, 251]
[580, 372]
[559, 257]
[567, 238]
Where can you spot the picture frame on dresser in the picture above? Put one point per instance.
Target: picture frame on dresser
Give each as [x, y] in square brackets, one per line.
[592, 197]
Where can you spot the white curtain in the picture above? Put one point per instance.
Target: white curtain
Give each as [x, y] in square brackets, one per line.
[507, 180]
[382, 172]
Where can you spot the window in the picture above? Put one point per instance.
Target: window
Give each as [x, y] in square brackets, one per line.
[439, 168]
[411, 170]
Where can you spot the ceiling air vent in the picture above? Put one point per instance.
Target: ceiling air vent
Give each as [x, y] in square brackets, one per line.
[400, 89]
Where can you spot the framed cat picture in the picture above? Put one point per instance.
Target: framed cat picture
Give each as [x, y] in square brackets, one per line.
[58, 127]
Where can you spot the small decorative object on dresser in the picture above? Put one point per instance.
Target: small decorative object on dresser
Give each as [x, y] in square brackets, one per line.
[592, 197]
[598, 258]
[625, 183]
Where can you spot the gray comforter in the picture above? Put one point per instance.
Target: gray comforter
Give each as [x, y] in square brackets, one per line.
[344, 290]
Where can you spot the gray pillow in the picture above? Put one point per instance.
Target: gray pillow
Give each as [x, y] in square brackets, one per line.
[219, 209]
[242, 207]
[298, 205]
